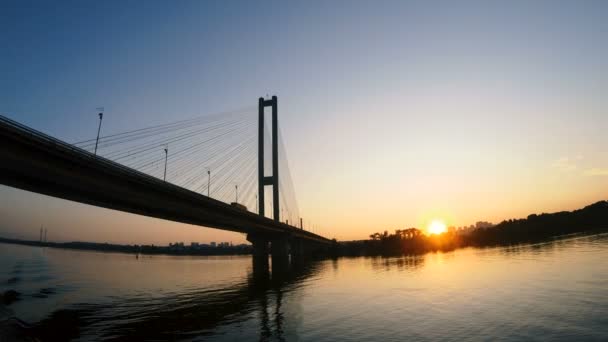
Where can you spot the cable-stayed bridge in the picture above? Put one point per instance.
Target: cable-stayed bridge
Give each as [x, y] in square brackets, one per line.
[220, 171]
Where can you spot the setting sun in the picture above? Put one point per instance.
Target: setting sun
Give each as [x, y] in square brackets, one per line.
[436, 227]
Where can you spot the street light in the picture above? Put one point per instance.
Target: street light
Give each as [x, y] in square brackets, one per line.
[166, 157]
[99, 128]
[209, 182]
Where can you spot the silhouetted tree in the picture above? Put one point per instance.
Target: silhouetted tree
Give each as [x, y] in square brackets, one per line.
[533, 228]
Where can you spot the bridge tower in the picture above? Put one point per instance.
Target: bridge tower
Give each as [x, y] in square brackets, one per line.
[274, 179]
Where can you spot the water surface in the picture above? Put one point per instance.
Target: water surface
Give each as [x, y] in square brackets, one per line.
[549, 291]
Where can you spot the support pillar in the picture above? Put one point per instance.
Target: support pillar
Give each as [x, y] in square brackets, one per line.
[274, 179]
[260, 254]
[261, 183]
[298, 252]
[280, 254]
[275, 160]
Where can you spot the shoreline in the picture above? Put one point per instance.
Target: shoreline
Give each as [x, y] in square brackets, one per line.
[134, 249]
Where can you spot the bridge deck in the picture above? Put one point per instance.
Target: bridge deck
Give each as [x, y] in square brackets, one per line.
[39, 163]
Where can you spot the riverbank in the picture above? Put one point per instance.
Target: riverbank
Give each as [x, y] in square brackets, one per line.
[200, 250]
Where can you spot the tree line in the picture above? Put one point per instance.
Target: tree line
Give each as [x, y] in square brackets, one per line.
[534, 228]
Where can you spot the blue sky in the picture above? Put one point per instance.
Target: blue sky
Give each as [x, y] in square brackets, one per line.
[468, 110]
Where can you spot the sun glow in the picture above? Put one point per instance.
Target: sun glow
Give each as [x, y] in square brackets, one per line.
[436, 227]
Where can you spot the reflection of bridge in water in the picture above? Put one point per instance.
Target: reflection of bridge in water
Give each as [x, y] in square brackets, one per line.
[196, 314]
[258, 299]
[36, 162]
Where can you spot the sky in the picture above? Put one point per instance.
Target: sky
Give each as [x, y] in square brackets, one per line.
[393, 113]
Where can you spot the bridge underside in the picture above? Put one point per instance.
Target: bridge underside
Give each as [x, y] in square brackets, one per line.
[38, 163]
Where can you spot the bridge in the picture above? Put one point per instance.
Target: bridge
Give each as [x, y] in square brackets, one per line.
[117, 178]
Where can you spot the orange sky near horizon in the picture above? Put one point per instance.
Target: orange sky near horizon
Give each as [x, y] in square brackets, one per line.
[71, 221]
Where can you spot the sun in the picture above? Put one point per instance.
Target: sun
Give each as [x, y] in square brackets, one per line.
[436, 227]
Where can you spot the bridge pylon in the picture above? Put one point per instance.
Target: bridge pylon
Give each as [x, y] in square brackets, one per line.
[274, 179]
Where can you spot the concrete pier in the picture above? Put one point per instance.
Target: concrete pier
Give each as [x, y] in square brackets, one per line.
[260, 253]
[283, 251]
[280, 250]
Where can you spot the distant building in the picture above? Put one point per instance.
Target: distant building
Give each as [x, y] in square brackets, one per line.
[483, 224]
[178, 246]
[477, 225]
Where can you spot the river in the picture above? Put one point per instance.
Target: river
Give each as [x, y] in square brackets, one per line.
[556, 290]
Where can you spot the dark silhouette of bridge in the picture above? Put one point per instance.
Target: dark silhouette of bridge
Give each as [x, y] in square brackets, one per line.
[36, 162]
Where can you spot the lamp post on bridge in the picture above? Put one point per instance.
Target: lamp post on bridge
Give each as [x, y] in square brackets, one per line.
[98, 129]
[166, 157]
[208, 182]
